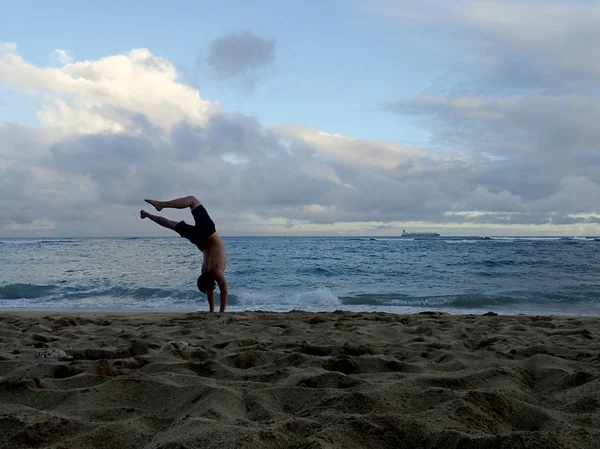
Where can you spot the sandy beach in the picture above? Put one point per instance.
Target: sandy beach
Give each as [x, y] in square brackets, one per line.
[168, 380]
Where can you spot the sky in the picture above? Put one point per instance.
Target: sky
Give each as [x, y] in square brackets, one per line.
[301, 118]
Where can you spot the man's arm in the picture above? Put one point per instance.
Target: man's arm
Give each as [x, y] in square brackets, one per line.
[222, 282]
[211, 300]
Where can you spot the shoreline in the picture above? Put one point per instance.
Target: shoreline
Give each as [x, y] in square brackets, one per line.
[84, 311]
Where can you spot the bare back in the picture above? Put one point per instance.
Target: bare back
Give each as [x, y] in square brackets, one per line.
[215, 256]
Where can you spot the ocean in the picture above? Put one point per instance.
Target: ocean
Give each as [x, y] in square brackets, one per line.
[510, 275]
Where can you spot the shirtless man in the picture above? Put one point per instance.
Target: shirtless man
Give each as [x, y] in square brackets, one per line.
[204, 235]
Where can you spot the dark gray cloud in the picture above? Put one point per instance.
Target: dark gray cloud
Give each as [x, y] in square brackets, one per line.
[82, 177]
[526, 145]
[241, 57]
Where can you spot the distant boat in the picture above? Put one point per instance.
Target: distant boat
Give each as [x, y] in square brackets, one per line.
[419, 234]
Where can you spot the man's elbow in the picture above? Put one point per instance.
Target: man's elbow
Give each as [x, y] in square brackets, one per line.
[222, 283]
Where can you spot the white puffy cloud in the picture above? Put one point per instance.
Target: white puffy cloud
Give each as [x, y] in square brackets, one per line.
[134, 83]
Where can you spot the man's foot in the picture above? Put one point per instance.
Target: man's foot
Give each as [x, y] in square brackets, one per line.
[143, 214]
[155, 203]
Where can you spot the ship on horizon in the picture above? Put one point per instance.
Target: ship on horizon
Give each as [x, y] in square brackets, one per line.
[419, 234]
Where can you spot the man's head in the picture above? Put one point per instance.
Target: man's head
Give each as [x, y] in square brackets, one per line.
[206, 282]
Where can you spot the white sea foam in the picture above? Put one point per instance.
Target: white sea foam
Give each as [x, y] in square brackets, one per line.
[524, 238]
[300, 300]
[19, 242]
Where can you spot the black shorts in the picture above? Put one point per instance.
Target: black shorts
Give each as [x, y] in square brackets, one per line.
[203, 228]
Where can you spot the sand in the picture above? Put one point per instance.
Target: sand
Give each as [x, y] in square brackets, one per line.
[297, 380]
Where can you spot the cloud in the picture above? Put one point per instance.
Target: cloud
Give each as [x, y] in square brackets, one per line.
[119, 82]
[527, 120]
[122, 128]
[241, 57]
[527, 144]
[60, 57]
[533, 44]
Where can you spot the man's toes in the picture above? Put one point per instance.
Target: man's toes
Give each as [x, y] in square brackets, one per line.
[154, 203]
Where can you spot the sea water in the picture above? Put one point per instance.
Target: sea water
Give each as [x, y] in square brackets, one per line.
[400, 275]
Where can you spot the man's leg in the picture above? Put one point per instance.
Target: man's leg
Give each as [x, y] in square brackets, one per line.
[164, 222]
[179, 203]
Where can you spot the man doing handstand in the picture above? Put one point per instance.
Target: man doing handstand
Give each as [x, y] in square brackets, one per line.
[204, 235]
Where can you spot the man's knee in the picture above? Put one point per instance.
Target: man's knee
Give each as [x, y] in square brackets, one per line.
[194, 203]
[166, 222]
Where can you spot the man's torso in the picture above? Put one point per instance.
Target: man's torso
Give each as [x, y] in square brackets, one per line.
[215, 256]
[204, 235]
